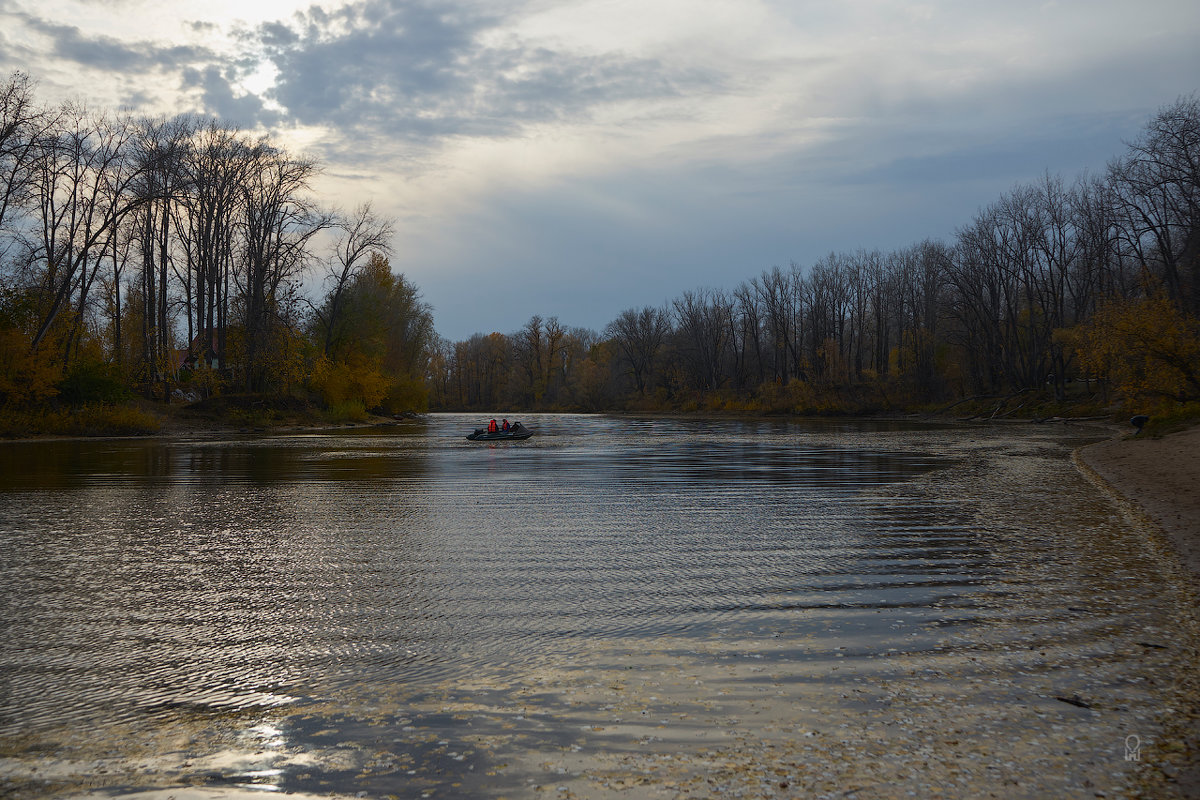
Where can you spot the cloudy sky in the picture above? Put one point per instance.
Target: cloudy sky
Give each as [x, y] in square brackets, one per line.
[580, 157]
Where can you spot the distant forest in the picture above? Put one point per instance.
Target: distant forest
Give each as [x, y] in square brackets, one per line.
[1085, 292]
[164, 259]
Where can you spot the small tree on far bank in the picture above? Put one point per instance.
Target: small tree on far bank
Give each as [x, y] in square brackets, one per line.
[1147, 349]
[379, 347]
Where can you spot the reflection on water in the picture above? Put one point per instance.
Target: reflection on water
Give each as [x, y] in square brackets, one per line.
[148, 582]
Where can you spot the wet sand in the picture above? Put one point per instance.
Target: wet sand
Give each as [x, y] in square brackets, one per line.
[1160, 478]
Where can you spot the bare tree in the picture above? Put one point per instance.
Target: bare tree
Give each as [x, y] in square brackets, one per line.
[639, 335]
[829, 304]
[217, 163]
[22, 126]
[160, 188]
[278, 225]
[979, 302]
[82, 183]
[555, 369]
[1157, 192]
[749, 334]
[703, 318]
[774, 289]
[360, 233]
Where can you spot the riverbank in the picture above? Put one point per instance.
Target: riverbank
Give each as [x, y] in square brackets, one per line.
[1158, 477]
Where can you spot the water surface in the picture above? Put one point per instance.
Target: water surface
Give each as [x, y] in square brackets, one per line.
[401, 587]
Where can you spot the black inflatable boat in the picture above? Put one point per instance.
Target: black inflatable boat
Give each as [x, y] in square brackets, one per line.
[516, 432]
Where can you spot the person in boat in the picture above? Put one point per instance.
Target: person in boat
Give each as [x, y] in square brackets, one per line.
[492, 427]
[504, 426]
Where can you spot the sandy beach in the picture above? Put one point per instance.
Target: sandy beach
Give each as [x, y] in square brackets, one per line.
[1160, 479]
[1157, 480]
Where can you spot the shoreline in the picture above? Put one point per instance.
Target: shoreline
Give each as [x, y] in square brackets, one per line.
[1154, 481]
[179, 426]
[1157, 480]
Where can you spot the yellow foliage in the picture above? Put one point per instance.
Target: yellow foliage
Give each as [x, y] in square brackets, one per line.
[1146, 348]
[339, 382]
[26, 378]
[289, 364]
[207, 380]
[406, 394]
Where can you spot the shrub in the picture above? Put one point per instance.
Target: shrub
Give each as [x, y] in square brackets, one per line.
[347, 411]
[26, 377]
[406, 394]
[93, 382]
[338, 382]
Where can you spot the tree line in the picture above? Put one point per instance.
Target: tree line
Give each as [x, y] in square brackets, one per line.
[167, 256]
[1057, 284]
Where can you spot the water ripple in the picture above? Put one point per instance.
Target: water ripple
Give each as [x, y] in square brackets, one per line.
[146, 577]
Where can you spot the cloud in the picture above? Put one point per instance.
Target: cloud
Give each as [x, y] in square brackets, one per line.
[419, 72]
[69, 43]
[138, 73]
[219, 99]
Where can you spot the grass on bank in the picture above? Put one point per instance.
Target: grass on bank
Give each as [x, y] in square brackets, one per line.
[89, 420]
[261, 412]
[139, 417]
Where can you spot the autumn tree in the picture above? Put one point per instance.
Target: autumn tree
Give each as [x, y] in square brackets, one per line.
[379, 347]
[1147, 349]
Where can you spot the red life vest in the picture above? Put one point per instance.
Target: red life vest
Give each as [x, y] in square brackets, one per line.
[492, 426]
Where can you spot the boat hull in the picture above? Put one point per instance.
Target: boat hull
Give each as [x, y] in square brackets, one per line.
[484, 436]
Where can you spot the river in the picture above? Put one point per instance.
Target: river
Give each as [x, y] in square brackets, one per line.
[669, 607]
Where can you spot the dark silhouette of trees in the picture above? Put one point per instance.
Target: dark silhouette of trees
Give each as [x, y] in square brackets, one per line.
[638, 336]
[1156, 188]
[216, 164]
[704, 328]
[1008, 305]
[171, 252]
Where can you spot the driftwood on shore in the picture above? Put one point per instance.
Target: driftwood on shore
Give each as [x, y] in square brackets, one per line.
[1003, 399]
